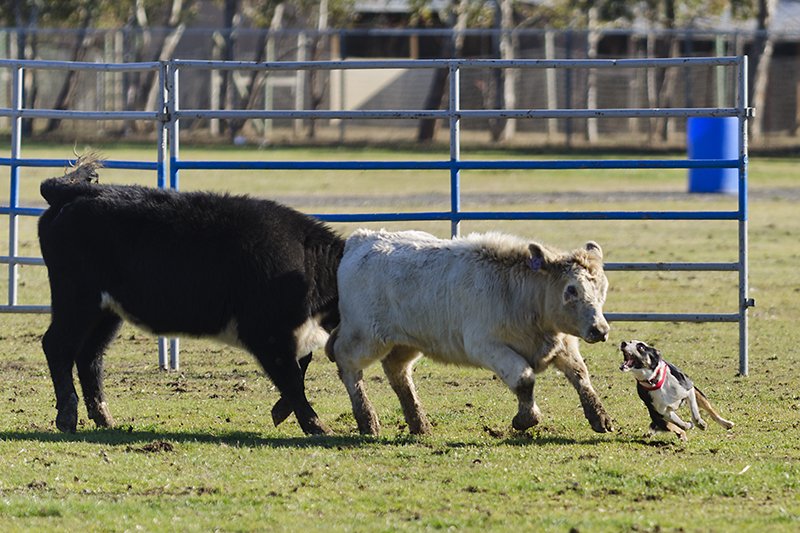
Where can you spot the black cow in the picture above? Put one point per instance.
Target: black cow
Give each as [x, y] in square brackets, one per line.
[251, 273]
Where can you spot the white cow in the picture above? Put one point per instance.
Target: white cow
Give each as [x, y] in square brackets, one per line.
[493, 301]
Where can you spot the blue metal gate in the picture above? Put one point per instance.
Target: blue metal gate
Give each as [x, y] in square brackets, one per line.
[168, 164]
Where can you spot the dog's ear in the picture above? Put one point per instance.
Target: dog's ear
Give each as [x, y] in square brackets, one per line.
[655, 351]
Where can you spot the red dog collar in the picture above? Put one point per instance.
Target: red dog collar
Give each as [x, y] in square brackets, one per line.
[658, 381]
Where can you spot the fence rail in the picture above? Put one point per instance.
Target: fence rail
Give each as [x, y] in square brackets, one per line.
[168, 164]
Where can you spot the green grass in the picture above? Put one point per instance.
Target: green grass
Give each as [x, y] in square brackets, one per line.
[764, 173]
[196, 451]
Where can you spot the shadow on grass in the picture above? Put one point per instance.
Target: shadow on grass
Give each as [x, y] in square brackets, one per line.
[525, 439]
[545, 437]
[128, 436]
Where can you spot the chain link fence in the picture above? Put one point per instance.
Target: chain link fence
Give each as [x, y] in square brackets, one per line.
[401, 88]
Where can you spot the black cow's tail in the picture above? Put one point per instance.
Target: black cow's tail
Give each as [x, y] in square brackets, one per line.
[79, 182]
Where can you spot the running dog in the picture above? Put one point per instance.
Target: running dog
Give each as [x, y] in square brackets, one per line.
[663, 389]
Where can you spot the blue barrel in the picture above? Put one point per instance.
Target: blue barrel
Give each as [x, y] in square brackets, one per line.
[713, 138]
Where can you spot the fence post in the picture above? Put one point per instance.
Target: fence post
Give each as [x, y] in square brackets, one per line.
[455, 149]
[13, 199]
[170, 77]
[161, 173]
[3, 74]
[744, 287]
[300, 92]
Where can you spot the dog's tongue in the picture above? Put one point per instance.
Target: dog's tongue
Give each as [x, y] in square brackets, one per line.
[626, 365]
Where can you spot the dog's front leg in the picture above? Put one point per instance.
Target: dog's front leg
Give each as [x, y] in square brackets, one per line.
[678, 431]
[673, 417]
[698, 421]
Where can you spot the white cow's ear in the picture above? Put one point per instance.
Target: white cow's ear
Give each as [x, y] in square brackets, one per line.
[541, 257]
[594, 249]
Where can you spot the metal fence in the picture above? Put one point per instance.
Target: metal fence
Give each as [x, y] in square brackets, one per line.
[170, 113]
[534, 88]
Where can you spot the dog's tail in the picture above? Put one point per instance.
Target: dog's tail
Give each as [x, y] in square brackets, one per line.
[702, 401]
[79, 182]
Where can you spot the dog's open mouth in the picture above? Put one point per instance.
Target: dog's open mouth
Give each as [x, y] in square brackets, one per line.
[630, 356]
[627, 364]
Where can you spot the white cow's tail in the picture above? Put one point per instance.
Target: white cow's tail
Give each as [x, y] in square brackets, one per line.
[329, 345]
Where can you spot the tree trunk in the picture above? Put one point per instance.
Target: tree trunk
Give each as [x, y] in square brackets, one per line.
[762, 71]
[67, 92]
[318, 80]
[26, 49]
[167, 48]
[450, 49]
[666, 95]
[496, 93]
[255, 82]
[760, 90]
[143, 87]
[591, 83]
[652, 91]
[551, 83]
[427, 126]
[228, 93]
[507, 47]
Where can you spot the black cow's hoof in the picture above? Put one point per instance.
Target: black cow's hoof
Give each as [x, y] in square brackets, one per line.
[281, 411]
[316, 427]
[67, 418]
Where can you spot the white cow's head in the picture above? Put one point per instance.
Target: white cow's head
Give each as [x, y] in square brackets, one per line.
[576, 290]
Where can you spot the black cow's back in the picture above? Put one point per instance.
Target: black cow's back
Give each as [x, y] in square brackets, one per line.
[190, 262]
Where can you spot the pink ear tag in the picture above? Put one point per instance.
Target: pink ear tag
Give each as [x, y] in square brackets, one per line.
[535, 263]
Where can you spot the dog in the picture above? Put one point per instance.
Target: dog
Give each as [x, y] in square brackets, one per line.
[663, 389]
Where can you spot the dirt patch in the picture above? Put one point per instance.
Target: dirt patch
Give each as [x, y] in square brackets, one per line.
[494, 433]
[159, 446]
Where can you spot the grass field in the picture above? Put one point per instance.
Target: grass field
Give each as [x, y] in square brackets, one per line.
[195, 450]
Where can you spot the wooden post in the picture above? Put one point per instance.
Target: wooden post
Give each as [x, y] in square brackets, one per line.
[550, 79]
[299, 96]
